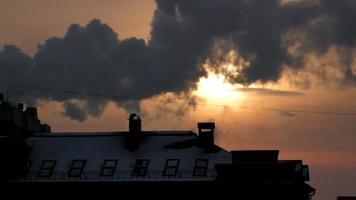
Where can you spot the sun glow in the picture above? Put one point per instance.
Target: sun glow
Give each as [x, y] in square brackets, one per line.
[215, 89]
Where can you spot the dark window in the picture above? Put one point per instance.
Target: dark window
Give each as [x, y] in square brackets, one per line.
[108, 168]
[200, 167]
[298, 167]
[171, 167]
[140, 168]
[305, 172]
[76, 170]
[47, 168]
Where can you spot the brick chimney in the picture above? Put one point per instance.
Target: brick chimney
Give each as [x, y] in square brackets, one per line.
[134, 123]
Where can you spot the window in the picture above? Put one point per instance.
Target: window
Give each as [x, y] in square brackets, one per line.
[108, 168]
[305, 173]
[171, 167]
[201, 167]
[298, 167]
[76, 170]
[140, 168]
[47, 168]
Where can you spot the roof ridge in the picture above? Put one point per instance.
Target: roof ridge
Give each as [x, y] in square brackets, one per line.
[103, 134]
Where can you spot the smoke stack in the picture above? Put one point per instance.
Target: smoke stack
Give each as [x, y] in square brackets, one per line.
[134, 123]
[206, 132]
[1, 97]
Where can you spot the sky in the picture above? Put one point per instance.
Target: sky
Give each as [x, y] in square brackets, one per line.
[271, 75]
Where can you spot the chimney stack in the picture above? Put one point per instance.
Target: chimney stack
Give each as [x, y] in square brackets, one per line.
[206, 132]
[134, 123]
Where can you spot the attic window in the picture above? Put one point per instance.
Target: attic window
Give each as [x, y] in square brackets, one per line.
[108, 168]
[47, 168]
[200, 167]
[140, 168]
[76, 170]
[171, 167]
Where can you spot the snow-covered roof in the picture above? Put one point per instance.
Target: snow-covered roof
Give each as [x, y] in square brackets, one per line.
[95, 148]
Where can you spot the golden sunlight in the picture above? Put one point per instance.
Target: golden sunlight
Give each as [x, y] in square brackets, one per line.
[215, 89]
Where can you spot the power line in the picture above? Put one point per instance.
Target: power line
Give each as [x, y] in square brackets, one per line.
[175, 101]
[65, 91]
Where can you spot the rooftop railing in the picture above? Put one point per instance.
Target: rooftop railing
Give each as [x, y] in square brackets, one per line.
[121, 175]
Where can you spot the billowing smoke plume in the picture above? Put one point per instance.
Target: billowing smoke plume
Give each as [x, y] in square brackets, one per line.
[269, 35]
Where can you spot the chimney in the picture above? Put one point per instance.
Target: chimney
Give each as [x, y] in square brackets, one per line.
[206, 132]
[1, 98]
[20, 106]
[134, 123]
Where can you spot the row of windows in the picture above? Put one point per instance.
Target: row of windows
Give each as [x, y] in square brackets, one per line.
[109, 167]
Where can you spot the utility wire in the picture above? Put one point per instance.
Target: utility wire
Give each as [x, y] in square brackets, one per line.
[65, 91]
[175, 101]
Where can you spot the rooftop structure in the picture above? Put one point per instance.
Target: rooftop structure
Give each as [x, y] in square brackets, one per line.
[32, 154]
[346, 198]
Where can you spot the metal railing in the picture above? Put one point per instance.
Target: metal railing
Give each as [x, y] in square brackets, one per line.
[120, 175]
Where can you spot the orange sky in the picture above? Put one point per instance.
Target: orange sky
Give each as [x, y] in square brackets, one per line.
[322, 141]
[26, 23]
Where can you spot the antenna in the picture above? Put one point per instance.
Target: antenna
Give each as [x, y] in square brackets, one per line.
[7, 95]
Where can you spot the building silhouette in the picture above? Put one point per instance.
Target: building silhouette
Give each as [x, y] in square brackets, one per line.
[35, 157]
[346, 198]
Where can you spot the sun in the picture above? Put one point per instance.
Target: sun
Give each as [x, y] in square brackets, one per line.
[216, 90]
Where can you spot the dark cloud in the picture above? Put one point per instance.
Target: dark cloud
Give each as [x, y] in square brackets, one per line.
[93, 59]
[15, 66]
[74, 111]
[269, 92]
[287, 114]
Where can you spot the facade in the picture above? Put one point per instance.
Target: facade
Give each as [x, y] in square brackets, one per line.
[142, 159]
